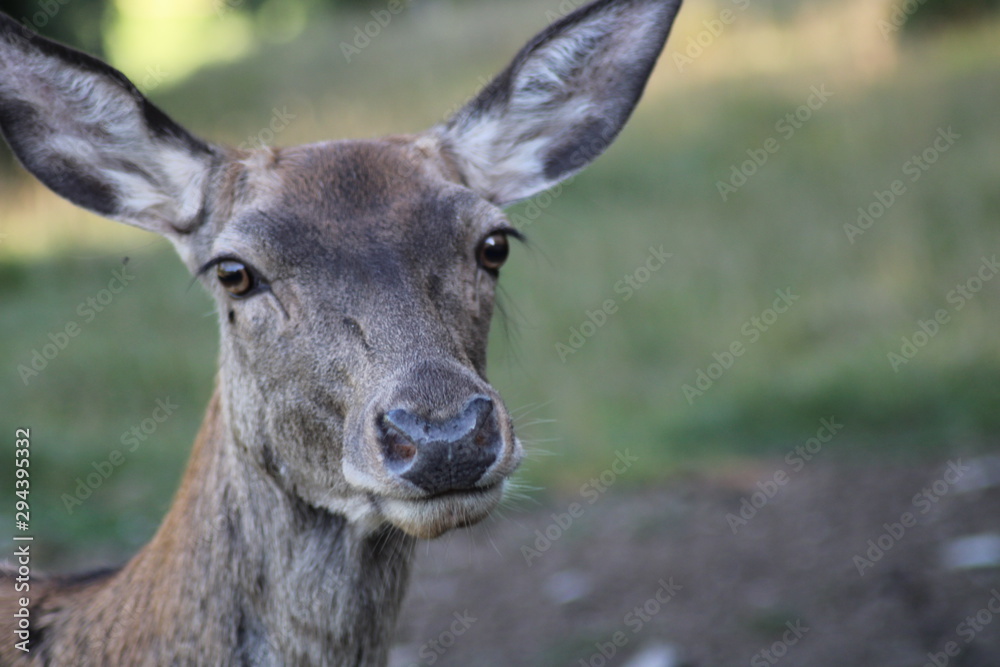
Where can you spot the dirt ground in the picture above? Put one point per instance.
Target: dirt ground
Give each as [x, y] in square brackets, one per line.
[675, 576]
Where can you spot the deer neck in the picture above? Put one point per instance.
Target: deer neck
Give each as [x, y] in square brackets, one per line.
[242, 568]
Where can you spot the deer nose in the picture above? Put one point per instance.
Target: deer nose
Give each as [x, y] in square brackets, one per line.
[441, 456]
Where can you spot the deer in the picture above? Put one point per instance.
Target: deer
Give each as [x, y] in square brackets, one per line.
[355, 283]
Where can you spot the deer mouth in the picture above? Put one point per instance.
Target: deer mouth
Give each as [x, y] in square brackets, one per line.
[432, 516]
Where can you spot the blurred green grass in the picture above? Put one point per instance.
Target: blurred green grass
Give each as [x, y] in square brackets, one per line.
[657, 186]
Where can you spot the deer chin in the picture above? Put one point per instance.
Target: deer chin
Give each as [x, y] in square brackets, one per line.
[432, 517]
[412, 511]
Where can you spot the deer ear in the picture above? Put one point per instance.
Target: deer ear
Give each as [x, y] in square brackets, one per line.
[562, 100]
[88, 134]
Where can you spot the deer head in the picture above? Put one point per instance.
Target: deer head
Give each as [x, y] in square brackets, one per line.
[354, 280]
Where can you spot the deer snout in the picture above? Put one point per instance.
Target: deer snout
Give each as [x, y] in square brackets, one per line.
[432, 449]
[445, 455]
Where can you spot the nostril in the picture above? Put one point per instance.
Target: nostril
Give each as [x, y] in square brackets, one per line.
[480, 407]
[469, 422]
[442, 455]
[397, 448]
[406, 424]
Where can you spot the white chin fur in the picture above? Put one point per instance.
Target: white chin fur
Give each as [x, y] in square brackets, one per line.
[430, 518]
[424, 519]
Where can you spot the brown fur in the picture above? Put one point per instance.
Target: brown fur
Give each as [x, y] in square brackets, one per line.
[233, 544]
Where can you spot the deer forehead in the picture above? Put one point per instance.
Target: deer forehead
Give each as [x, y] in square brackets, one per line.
[344, 204]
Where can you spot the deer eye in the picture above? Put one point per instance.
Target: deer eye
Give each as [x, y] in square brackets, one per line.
[235, 277]
[493, 251]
